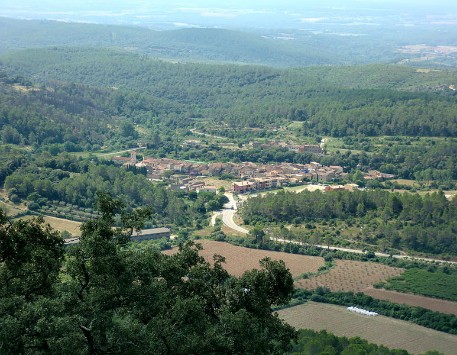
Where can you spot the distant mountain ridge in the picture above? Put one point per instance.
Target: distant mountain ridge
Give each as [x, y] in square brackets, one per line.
[194, 44]
[271, 48]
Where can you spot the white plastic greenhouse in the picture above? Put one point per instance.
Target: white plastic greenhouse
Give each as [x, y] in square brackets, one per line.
[362, 311]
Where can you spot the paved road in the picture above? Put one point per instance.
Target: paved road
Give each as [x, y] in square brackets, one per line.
[227, 218]
[227, 215]
[357, 251]
[230, 209]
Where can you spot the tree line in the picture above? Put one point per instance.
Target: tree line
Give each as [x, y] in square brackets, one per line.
[422, 223]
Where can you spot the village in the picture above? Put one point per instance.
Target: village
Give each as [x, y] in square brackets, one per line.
[245, 176]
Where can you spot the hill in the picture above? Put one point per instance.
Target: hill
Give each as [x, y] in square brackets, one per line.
[371, 100]
[295, 48]
[194, 44]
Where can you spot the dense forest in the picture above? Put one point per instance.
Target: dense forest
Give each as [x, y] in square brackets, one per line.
[246, 96]
[411, 221]
[374, 44]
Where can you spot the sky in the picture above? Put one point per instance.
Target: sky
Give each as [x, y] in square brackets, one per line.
[230, 13]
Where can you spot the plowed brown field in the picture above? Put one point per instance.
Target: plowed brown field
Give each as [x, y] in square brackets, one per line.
[414, 300]
[346, 275]
[239, 259]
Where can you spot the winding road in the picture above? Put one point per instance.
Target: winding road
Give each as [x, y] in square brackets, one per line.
[227, 215]
[230, 209]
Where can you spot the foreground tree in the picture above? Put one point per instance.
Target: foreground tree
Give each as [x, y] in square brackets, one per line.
[31, 256]
[112, 298]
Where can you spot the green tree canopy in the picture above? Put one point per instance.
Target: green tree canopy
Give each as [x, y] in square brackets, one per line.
[111, 297]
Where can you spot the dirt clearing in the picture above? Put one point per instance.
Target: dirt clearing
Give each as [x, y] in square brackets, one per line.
[61, 225]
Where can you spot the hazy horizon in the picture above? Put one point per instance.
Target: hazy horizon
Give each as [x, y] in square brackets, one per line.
[291, 14]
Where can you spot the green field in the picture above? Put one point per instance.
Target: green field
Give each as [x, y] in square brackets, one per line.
[422, 282]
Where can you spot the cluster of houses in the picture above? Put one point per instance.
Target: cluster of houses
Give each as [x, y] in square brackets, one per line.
[277, 175]
[247, 176]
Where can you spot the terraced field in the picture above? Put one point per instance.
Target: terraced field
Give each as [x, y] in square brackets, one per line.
[348, 275]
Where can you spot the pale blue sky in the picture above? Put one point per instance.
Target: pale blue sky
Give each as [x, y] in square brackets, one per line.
[229, 13]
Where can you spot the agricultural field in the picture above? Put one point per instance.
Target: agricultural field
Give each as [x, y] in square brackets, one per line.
[380, 330]
[426, 283]
[358, 276]
[239, 259]
[61, 224]
[433, 304]
[348, 275]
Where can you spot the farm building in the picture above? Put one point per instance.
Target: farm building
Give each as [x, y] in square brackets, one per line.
[148, 234]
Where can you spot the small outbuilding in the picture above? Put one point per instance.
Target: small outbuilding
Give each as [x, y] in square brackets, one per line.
[149, 234]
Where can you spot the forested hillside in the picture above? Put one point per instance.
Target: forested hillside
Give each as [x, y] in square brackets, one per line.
[74, 117]
[330, 101]
[115, 129]
[194, 44]
[340, 45]
[133, 99]
[401, 221]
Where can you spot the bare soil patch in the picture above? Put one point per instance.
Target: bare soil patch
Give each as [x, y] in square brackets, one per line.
[239, 259]
[393, 333]
[433, 304]
[348, 275]
[10, 209]
[61, 224]
[218, 183]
